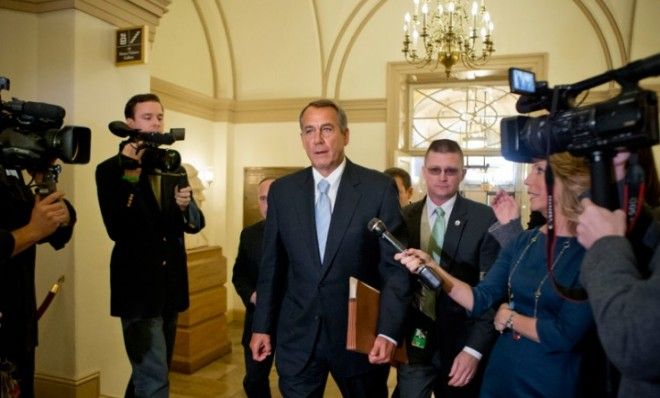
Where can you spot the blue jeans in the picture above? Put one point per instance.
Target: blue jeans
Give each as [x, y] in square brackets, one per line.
[149, 344]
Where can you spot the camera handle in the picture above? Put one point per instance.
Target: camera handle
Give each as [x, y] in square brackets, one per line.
[48, 184]
[603, 189]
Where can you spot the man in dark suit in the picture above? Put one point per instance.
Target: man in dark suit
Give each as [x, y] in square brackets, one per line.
[403, 184]
[444, 346]
[303, 279]
[146, 212]
[244, 278]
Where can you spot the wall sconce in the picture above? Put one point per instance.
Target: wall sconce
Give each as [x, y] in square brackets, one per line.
[206, 175]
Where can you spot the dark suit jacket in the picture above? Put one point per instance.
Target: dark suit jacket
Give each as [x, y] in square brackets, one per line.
[467, 251]
[246, 271]
[18, 306]
[307, 295]
[148, 270]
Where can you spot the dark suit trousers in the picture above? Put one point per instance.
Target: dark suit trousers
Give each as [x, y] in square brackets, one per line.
[255, 382]
[312, 380]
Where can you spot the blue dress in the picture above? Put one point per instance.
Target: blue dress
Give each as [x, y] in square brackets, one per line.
[522, 367]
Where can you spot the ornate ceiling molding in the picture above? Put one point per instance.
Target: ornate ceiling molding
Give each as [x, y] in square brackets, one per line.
[120, 13]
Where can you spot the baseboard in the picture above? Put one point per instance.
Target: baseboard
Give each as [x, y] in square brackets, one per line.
[47, 386]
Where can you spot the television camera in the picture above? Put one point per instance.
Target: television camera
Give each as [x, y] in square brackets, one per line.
[629, 120]
[32, 138]
[154, 159]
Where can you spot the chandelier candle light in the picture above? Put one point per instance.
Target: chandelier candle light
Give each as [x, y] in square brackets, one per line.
[447, 33]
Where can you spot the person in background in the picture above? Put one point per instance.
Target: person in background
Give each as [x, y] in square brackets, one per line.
[403, 184]
[244, 278]
[145, 213]
[538, 352]
[315, 238]
[508, 223]
[27, 220]
[445, 346]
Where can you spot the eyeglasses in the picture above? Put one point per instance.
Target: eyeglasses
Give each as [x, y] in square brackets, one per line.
[449, 171]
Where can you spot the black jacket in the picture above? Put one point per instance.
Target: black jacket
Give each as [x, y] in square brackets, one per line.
[468, 252]
[148, 270]
[18, 325]
[246, 271]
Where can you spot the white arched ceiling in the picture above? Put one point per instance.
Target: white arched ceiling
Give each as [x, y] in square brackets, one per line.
[249, 50]
[293, 49]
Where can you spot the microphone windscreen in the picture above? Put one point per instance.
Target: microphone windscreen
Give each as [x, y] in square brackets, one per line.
[376, 225]
[41, 110]
[529, 104]
[120, 129]
[158, 138]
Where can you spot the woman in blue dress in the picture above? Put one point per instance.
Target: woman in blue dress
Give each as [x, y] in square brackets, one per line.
[538, 353]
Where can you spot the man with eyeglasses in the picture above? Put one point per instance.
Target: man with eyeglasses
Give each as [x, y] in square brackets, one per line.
[445, 347]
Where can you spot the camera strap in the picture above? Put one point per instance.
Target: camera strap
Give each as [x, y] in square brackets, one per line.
[633, 191]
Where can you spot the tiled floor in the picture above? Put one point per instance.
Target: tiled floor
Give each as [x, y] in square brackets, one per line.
[224, 376]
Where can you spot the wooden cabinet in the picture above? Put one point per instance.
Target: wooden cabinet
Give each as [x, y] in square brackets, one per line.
[201, 334]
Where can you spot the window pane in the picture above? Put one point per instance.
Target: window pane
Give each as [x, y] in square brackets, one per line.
[467, 114]
[470, 115]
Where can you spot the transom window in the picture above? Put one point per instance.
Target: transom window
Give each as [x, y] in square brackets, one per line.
[469, 114]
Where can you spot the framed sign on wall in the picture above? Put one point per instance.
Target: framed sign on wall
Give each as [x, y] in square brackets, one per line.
[131, 45]
[252, 176]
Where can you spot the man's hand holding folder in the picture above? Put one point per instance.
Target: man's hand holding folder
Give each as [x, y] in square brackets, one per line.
[363, 307]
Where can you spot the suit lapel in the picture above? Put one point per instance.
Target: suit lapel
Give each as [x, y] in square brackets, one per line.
[413, 216]
[342, 213]
[455, 227]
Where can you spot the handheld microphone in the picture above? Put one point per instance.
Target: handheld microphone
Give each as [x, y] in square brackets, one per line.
[427, 276]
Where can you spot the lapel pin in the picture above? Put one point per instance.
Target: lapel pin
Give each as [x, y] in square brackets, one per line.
[457, 223]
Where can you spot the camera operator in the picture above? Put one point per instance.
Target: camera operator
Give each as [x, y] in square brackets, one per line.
[26, 220]
[624, 301]
[146, 211]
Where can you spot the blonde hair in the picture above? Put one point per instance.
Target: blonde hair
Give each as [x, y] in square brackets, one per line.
[575, 177]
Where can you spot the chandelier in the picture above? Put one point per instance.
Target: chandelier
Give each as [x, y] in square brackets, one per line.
[447, 32]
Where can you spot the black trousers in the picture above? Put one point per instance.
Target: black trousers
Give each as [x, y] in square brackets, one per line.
[311, 382]
[255, 382]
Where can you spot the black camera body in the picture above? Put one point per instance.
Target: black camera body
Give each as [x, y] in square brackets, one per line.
[597, 131]
[629, 120]
[155, 160]
[32, 138]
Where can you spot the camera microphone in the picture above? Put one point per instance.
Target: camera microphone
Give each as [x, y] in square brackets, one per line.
[427, 276]
[121, 129]
[527, 104]
[640, 69]
[36, 110]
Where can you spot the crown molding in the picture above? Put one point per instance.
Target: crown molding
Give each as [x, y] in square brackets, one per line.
[184, 100]
[120, 13]
[193, 103]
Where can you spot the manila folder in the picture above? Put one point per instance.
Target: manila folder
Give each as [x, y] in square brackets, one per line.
[363, 307]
